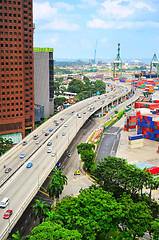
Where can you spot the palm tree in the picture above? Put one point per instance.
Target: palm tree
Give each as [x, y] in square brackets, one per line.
[56, 186]
[40, 209]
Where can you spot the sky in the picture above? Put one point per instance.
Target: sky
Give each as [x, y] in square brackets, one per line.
[82, 29]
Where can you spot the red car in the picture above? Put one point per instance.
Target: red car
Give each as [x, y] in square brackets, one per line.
[7, 214]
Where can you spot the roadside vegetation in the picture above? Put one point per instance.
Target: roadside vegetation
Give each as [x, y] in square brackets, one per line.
[83, 89]
[120, 206]
[5, 145]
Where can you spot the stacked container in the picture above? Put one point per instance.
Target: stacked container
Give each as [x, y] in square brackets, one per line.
[130, 122]
[149, 105]
[136, 141]
[148, 125]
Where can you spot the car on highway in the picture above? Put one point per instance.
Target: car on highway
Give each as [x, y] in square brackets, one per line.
[69, 155]
[49, 143]
[53, 154]
[24, 143]
[58, 164]
[56, 123]
[76, 172]
[7, 214]
[35, 136]
[37, 142]
[65, 125]
[51, 129]
[79, 115]
[46, 134]
[29, 165]
[62, 119]
[84, 112]
[7, 170]
[22, 155]
[63, 134]
[49, 150]
[72, 111]
[4, 203]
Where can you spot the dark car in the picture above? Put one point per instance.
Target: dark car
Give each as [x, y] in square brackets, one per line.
[62, 119]
[7, 170]
[46, 134]
[7, 214]
[56, 123]
[24, 143]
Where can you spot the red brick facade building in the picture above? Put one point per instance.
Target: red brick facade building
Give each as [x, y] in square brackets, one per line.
[16, 67]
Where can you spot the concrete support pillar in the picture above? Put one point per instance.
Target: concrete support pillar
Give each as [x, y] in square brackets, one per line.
[102, 111]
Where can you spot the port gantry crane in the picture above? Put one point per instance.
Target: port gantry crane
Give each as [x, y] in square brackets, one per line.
[154, 63]
[117, 63]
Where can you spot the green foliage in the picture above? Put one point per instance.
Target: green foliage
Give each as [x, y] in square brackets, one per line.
[59, 101]
[155, 229]
[136, 216]
[100, 86]
[56, 186]
[87, 155]
[5, 145]
[120, 114]
[116, 173]
[92, 212]
[85, 146]
[54, 231]
[116, 111]
[76, 86]
[39, 210]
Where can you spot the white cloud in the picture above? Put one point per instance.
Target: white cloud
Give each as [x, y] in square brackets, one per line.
[53, 40]
[63, 5]
[103, 40]
[43, 11]
[120, 9]
[60, 24]
[87, 3]
[100, 24]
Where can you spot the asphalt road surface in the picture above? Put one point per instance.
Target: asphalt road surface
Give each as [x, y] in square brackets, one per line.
[109, 143]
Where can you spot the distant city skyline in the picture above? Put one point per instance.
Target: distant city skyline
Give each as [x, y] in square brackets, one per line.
[76, 28]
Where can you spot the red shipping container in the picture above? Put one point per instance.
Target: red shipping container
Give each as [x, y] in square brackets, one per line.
[153, 170]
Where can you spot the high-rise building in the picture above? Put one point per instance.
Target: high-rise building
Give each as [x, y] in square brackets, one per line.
[44, 79]
[16, 68]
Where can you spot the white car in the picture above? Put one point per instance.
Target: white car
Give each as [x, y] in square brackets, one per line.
[53, 154]
[49, 150]
[37, 142]
[65, 125]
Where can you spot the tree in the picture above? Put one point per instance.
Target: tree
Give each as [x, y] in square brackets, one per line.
[136, 217]
[85, 146]
[5, 145]
[40, 209]
[54, 231]
[53, 216]
[93, 212]
[155, 229]
[58, 180]
[87, 155]
[100, 86]
[59, 101]
[76, 86]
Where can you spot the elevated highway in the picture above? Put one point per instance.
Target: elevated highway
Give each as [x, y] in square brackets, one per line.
[22, 184]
